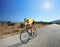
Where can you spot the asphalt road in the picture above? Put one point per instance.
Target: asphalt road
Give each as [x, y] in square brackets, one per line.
[48, 36]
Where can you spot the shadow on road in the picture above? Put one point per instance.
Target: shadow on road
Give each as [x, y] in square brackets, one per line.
[16, 45]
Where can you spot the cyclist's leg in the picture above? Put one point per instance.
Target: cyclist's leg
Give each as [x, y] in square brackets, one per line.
[32, 29]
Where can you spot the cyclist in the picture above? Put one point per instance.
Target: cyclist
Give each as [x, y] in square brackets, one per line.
[29, 22]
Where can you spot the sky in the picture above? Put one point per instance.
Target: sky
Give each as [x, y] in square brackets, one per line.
[39, 10]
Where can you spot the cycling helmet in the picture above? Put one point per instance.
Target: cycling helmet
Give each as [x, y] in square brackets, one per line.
[25, 19]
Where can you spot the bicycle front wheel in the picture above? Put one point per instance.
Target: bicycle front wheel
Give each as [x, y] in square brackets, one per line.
[24, 36]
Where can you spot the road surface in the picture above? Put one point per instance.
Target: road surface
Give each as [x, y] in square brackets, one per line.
[48, 36]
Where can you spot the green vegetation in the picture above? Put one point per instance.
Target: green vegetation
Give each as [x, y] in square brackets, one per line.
[57, 23]
[10, 23]
[41, 22]
[21, 25]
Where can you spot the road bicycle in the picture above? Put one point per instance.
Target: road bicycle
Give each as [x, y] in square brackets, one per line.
[26, 34]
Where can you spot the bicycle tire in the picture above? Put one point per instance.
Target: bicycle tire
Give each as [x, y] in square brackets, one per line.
[21, 38]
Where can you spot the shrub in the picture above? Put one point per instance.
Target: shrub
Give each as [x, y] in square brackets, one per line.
[10, 23]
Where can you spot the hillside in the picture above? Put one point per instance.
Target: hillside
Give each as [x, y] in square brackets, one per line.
[56, 21]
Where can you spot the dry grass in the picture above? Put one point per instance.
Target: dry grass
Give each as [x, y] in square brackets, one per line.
[6, 31]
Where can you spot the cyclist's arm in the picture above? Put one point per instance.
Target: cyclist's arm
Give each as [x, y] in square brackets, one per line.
[25, 25]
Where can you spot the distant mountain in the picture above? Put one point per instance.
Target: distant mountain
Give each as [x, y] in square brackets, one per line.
[56, 21]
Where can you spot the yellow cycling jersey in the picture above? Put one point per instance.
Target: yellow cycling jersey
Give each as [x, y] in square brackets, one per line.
[30, 21]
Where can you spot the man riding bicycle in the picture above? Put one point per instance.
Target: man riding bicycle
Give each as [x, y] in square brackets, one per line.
[28, 30]
[29, 22]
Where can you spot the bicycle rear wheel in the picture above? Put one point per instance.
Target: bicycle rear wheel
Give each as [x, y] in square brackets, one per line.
[24, 36]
